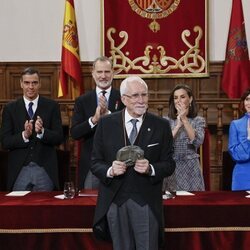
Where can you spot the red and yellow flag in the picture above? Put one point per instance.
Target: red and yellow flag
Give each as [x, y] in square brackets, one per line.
[70, 73]
[236, 72]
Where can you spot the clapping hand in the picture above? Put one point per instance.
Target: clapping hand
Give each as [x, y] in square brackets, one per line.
[103, 104]
[28, 128]
[39, 125]
[182, 111]
[102, 109]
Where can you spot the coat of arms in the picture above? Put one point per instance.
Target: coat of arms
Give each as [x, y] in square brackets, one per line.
[154, 9]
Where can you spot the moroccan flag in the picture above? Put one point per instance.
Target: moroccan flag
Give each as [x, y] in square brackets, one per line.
[70, 73]
[236, 73]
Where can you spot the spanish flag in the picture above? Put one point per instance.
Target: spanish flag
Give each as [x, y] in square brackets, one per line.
[70, 72]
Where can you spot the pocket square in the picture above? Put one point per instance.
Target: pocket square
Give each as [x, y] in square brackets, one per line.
[152, 145]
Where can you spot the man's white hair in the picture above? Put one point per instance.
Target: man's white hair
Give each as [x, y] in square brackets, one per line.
[125, 82]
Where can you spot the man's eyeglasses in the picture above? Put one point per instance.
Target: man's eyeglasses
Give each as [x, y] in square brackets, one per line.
[137, 96]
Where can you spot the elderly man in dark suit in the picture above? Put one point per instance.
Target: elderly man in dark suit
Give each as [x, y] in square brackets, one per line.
[129, 206]
[31, 128]
[87, 111]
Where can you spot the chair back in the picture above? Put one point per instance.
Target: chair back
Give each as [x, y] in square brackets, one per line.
[3, 169]
[227, 170]
[204, 152]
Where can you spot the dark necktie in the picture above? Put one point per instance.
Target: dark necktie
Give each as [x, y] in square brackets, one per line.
[133, 133]
[30, 110]
[103, 92]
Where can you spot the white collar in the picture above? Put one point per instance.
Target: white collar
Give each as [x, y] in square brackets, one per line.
[26, 101]
[98, 90]
[128, 117]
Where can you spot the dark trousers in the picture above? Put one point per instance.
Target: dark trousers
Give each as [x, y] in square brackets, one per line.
[133, 227]
[33, 178]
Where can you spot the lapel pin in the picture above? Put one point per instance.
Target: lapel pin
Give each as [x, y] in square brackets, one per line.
[149, 129]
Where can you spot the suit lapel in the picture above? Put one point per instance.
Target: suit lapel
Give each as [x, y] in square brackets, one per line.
[119, 124]
[112, 100]
[93, 97]
[118, 128]
[146, 131]
[21, 112]
[115, 102]
[42, 109]
[93, 102]
[39, 107]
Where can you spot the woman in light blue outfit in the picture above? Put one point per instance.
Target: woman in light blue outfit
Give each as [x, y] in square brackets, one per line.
[188, 132]
[239, 146]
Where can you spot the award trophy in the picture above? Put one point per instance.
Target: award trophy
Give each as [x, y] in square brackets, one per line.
[129, 154]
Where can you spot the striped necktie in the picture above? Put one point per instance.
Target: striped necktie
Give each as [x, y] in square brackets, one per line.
[133, 133]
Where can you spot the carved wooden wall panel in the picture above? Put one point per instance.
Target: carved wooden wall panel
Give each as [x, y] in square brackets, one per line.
[218, 108]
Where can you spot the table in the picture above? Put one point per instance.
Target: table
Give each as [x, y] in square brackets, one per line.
[205, 221]
[208, 221]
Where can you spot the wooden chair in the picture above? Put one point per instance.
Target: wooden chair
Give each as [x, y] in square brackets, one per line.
[204, 152]
[3, 169]
[63, 158]
[227, 170]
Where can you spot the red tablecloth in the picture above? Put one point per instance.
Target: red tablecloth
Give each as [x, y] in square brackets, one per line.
[205, 221]
[39, 210]
[228, 210]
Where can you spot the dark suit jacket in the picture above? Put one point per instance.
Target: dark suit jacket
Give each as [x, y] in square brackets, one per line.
[155, 138]
[43, 150]
[85, 107]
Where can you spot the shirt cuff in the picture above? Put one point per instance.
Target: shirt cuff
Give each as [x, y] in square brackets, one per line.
[92, 125]
[109, 173]
[24, 139]
[152, 170]
[40, 136]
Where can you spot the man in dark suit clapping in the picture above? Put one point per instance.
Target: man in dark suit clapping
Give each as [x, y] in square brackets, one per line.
[31, 128]
[88, 109]
[129, 205]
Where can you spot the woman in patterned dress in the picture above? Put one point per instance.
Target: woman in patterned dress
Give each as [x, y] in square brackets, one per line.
[188, 132]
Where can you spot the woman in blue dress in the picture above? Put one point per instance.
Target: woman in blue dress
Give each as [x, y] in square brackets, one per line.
[239, 146]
